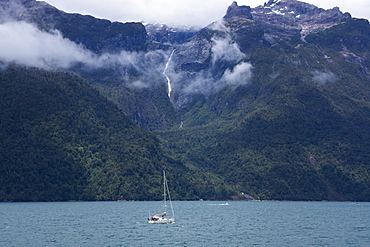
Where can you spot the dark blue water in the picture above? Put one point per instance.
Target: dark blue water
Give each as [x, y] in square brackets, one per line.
[198, 224]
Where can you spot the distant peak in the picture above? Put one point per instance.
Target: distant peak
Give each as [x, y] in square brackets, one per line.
[234, 5]
[238, 11]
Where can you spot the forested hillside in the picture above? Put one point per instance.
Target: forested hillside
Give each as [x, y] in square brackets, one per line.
[271, 102]
[62, 140]
[300, 129]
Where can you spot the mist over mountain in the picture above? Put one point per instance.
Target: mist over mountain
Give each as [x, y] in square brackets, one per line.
[271, 101]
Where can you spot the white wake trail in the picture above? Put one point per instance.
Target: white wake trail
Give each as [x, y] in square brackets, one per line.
[164, 73]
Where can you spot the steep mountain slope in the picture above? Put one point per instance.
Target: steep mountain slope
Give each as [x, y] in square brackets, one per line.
[113, 56]
[274, 100]
[95, 34]
[295, 123]
[61, 140]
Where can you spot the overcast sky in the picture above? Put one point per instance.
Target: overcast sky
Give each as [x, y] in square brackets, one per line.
[187, 12]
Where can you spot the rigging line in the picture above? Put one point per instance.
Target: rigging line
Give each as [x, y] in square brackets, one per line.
[169, 198]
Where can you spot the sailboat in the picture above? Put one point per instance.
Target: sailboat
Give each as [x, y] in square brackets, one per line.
[161, 217]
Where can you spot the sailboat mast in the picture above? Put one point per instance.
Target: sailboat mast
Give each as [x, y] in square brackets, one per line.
[164, 190]
[161, 218]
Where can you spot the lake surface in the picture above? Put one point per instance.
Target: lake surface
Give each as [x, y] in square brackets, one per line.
[198, 223]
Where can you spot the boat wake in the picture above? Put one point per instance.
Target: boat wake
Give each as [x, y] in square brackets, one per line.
[220, 204]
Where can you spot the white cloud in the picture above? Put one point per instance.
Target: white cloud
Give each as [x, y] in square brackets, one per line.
[323, 77]
[185, 12]
[209, 80]
[239, 75]
[226, 50]
[202, 83]
[139, 84]
[25, 44]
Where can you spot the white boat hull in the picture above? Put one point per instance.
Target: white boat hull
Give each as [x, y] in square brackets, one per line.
[161, 221]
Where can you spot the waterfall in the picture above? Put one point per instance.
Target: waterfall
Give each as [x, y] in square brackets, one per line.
[164, 73]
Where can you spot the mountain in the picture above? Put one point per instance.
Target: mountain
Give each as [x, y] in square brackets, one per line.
[97, 35]
[111, 54]
[271, 101]
[277, 104]
[62, 140]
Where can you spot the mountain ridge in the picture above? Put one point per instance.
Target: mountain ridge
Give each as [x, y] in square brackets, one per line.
[272, 101]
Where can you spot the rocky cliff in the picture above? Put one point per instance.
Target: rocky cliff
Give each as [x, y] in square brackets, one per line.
[199, 65]
[251, 99]
[97, 35]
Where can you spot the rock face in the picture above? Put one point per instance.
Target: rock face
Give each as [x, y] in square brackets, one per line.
[161, 34]
[204, 60]
[290, 18]
[200, 62]
[234, 11]
[97, 35]
[273, 98]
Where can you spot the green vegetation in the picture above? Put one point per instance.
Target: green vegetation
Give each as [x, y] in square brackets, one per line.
[288, 135]
[298, 130]
[61, 140]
